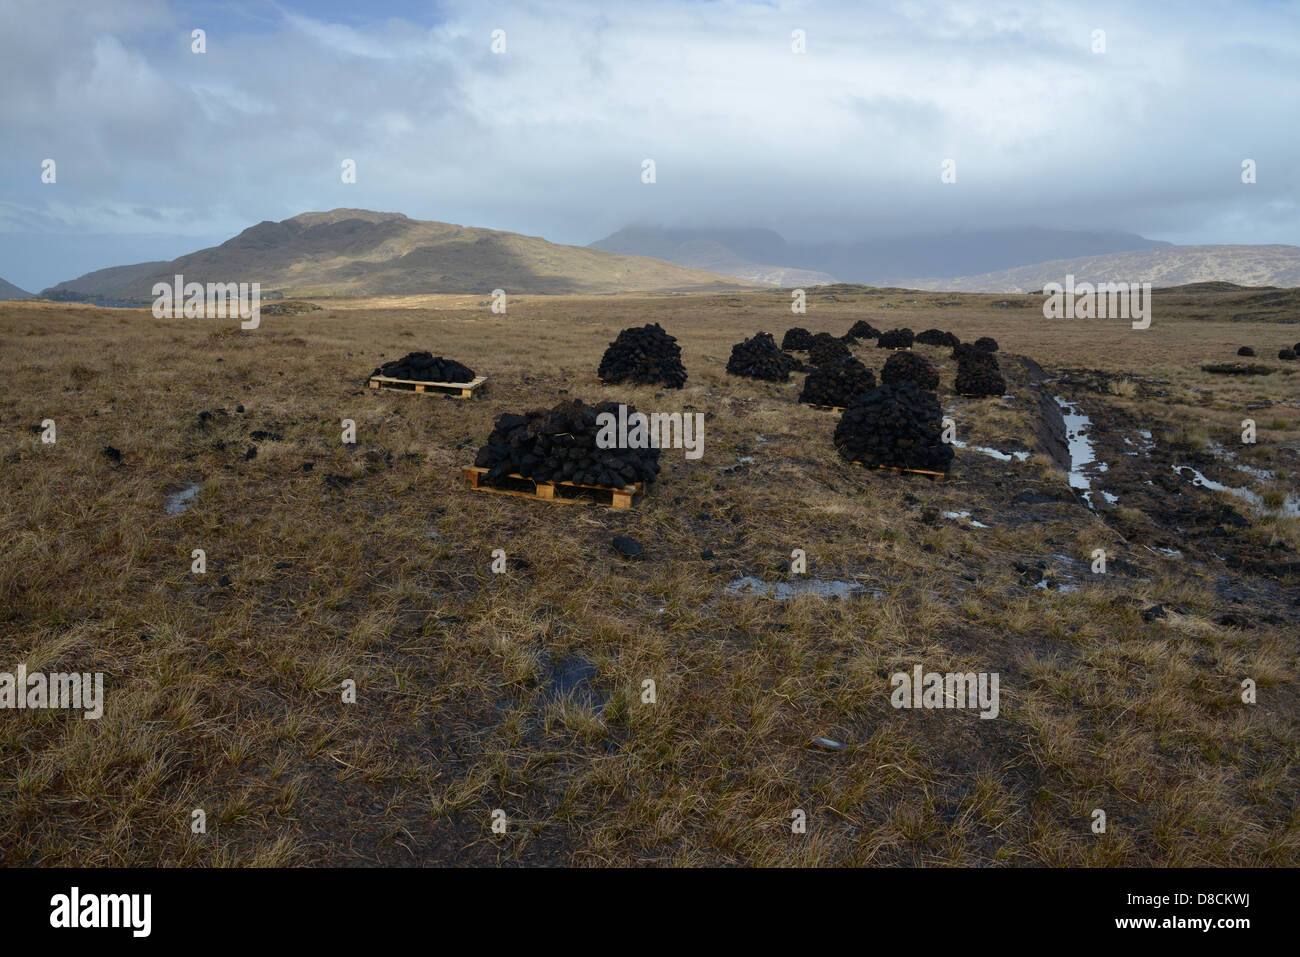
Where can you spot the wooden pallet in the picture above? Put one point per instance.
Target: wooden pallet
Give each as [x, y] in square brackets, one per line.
[550, 491]
[825, 408]
[457, 390]
[932, 476]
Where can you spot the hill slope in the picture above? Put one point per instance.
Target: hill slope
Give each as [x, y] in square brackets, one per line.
[9, 291]
[1274, 265]
[347, 252]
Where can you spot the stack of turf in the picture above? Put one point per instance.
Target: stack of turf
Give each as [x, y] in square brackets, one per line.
[1247, 351]
[937, 337]
[978, 374]
[837, 383]
[1287, 354]
[759, 358]
[425, 367]
[910, 367]
[826, 348]
[861, 330]
[895, 425]
[799, 339]
[895, 339]
[644, 356]
[986, 344]
[559, 445]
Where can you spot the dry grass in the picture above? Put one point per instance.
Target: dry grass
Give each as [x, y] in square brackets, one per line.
[227, 697]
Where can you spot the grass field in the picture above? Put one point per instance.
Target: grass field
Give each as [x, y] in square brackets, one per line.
[523, 692]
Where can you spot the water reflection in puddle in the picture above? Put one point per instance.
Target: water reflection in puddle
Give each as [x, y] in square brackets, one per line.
[782, 591]
[180, 501]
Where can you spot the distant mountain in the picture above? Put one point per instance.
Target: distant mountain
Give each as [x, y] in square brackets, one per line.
[758, 255]
[1274, 265]
[765, 256]
[356, 252]
[9, 291]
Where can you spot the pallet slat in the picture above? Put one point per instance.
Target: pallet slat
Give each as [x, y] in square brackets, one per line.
[457, 390]
[932, 476]
[546, 491]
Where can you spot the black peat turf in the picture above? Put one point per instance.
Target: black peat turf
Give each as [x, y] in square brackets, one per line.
[910, 367]
[426, 367]
[861, 330]
[937, 337]
[798, 339]
[978, 374]
[759, 358]
[895, 425]
[559, 445]
[837, 383]
[895, 339]
[826, 348]
[644, 356]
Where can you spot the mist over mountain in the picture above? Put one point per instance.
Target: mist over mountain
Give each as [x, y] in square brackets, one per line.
[749, 252]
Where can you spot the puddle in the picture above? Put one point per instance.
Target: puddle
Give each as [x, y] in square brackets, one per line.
[178, 502]
[1081, 454]
[965, 515]
[1000, 456]
[782, 591]
[1290, 507]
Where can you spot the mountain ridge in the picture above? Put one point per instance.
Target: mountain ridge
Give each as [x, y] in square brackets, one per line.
[1274, 264]
[354, 252]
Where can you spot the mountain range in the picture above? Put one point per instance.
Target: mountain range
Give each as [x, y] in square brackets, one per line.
[358, 252]
[760, 254]
[1273, 265]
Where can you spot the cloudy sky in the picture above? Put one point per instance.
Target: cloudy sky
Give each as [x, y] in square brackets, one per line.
[160, 150]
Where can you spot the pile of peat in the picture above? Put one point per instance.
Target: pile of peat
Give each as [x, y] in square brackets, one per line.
[897, 426]
[937, 337]
[979, 375]
[826, 349]
[644, 356]
[910, 367]
[559, 445]
[759, 358]
[425, 367]
[895, 339]
[797, 339]
[837, 383]
[861, 330]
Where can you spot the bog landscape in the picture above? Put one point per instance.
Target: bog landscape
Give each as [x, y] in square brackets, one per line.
[672, 682]
[758, 434]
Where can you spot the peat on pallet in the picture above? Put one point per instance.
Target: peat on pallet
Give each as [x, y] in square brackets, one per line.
[457, 390]
[569, 493]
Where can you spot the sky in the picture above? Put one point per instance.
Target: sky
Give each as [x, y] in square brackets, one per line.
[159, 150]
